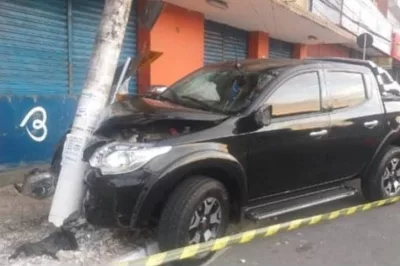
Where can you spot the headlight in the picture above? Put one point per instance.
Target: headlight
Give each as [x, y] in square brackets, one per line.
[118, 158]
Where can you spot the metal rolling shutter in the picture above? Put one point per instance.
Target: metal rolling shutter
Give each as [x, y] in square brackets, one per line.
[223, 43]
[33, 47]
[85, 21]
[280, 49]
[213, 42]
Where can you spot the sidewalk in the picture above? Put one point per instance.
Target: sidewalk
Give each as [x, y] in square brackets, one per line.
[25, 220]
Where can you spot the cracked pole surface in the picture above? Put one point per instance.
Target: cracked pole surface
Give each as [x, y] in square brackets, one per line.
[70, 189]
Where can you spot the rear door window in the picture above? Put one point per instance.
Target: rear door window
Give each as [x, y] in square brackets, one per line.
[347, 89]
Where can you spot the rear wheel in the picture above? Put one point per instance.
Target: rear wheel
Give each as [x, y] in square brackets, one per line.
[196, 212]
[384, 179]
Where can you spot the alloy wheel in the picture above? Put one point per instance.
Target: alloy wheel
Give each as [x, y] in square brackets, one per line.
[206, 221]
[391, 177]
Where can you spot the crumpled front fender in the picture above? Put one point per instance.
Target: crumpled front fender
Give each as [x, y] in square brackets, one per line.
[181, 162]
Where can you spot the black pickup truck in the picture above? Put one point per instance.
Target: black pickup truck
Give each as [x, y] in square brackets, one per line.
[240, 140]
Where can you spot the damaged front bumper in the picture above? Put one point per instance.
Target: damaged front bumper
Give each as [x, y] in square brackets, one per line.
[111, 200]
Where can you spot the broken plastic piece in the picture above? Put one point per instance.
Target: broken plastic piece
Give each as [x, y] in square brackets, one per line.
[37, 184]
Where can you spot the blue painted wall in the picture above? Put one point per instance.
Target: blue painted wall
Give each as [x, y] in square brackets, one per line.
[45, 48]
[22, 143]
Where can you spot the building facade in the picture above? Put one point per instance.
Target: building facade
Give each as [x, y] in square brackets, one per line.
[45, 48]
[391, 10]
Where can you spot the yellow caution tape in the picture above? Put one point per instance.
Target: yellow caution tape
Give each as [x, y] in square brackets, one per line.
[248, 236]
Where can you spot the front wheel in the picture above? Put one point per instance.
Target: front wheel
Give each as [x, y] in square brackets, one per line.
[196, 212]
[384, 179]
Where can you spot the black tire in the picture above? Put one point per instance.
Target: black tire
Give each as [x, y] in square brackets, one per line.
[371, 184]
[184, 202]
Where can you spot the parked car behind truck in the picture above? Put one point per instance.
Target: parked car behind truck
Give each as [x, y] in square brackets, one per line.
[243, 140]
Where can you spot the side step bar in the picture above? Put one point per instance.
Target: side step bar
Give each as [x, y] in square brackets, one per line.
[272, 209]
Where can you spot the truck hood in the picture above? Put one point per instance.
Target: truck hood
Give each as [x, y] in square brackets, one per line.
[137, 110]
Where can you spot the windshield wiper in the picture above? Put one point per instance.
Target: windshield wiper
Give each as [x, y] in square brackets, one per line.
[205, 106]
[164, 98]
[157, 97]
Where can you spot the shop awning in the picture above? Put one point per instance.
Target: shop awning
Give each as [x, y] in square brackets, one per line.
[283, 20]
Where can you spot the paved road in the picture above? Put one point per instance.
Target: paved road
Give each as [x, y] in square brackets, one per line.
[367, 239]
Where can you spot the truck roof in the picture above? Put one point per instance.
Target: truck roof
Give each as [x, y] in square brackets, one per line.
[281, 62]
[383, 77]
[259, 64]
[343, 60]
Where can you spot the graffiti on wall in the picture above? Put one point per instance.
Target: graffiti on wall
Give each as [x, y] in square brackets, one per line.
[38, 124]
[30, 127]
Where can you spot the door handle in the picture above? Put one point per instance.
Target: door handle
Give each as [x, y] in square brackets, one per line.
[371, 124]
[319, 133]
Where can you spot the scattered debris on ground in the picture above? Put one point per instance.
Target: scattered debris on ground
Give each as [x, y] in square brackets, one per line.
[60, 239]
[24, 220]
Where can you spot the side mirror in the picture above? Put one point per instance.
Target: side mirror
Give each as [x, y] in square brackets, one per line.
[262, 117]
[157, 89]
[254, 121]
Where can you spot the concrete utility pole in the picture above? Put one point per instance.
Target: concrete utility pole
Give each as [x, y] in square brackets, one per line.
[70, 188]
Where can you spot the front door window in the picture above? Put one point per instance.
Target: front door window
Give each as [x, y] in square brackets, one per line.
[299, 95]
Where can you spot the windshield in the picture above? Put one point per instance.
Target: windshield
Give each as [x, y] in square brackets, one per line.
[225, 90]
